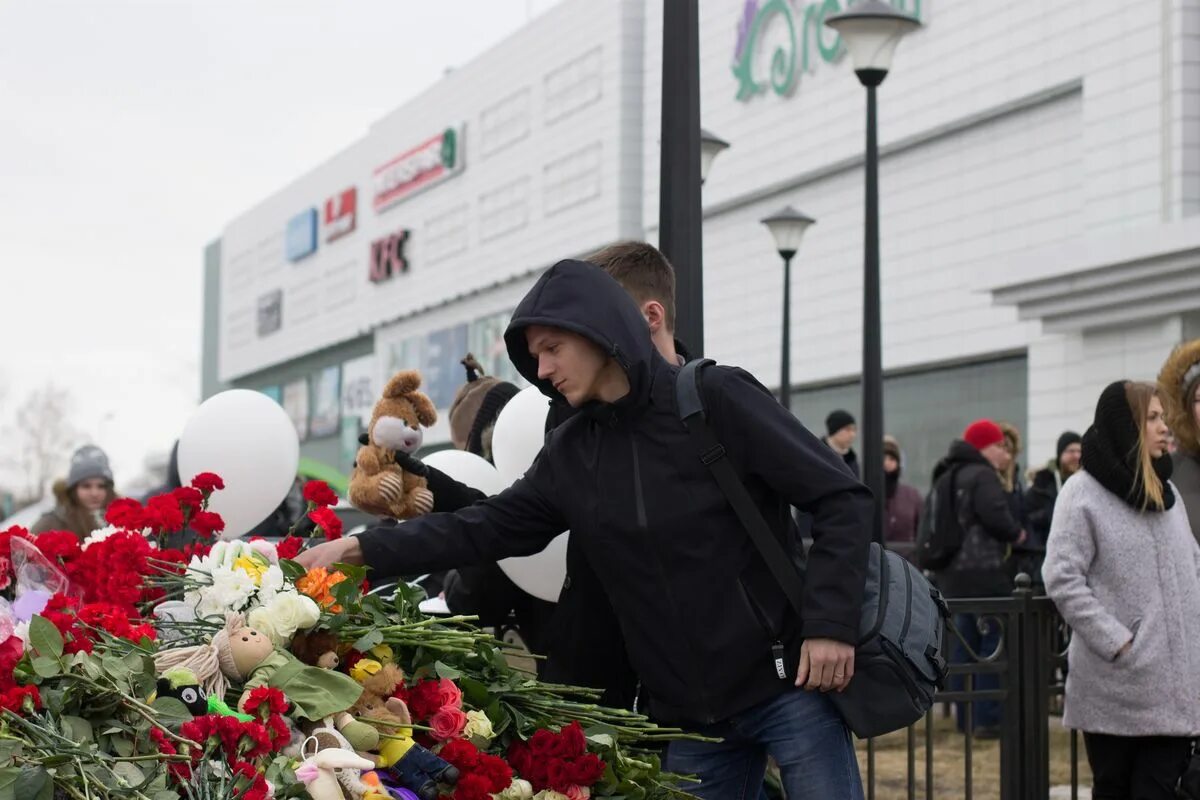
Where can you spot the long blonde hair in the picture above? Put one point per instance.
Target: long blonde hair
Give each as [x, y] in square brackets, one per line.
[1012, 440]
[1139, 395]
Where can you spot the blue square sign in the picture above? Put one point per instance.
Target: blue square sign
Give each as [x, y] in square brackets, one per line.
[301, 235]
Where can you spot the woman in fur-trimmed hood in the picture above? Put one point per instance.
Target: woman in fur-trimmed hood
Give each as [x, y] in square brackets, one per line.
[1179, 386]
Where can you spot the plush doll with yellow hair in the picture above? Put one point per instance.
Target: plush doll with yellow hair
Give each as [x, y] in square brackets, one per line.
[379, 483]
[244, 655]
[1179, 390]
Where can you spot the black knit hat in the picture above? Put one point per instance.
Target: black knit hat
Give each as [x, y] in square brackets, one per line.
[489, 411]
[837, 420]
[1066, 440]
[1111, 454]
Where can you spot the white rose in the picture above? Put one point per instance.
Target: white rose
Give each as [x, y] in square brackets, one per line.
[519, 790]
[550, 794]
[478, 726]
[261, 620]
[291, 612]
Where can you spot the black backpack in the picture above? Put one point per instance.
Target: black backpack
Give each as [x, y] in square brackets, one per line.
[940, 535]
[898, 661]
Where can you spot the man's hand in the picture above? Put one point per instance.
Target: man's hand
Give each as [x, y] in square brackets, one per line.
[825, 664]
[326, 554]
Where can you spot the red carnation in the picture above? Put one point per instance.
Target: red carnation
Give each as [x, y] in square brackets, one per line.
[163, 513]
[290, 547]
[59, 546]
[267, 699]
[319, 493]
[258, 788]
[188, 498]
[327, 521]
[543, 743]
[207, 524]
[125, 512]
[11, 651]
[208, 482]
[6, 539]
[21, 699]
[499, 774]
[462, 754]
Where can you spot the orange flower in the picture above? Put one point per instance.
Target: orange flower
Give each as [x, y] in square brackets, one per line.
[318, 584]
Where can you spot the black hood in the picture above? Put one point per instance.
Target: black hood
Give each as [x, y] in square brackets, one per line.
[960, 454]
[584, 299]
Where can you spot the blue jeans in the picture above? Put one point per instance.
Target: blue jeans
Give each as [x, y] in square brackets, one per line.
[803, 732]
[987, 713]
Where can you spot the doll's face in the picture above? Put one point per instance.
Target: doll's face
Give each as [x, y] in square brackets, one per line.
[249, 649]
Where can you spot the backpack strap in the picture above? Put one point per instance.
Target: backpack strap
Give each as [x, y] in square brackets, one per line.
[690, 399]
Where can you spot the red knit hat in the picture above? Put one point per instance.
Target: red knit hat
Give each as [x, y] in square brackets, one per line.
[983, 433]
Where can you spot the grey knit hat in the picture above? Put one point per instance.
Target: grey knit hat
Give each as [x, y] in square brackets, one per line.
[88, 461]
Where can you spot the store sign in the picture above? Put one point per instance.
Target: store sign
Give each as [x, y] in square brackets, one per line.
[387, 257]
[341, 213]
[425, 165]
[301, 238]
[795, 29]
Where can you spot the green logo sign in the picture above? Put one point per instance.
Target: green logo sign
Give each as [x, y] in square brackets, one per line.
[449, 147]
[801, 29]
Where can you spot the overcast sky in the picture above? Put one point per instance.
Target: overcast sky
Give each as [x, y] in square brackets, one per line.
[132, 132]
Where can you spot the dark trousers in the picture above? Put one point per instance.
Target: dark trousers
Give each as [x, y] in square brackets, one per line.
[1136, 767]
[986, 713]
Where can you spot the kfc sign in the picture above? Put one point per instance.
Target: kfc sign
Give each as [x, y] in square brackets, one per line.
[341, 214]
[425, 165]
[387, 257]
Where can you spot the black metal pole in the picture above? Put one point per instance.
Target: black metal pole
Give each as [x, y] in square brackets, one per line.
[872, 346]
[785, 366]
[679, 192]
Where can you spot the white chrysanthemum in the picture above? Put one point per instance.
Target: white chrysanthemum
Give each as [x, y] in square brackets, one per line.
[100, 534]
[231, 590]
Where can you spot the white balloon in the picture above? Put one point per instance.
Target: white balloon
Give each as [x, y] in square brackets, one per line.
[468, 468]
[249, 440]
[541, 575]
[519, 434]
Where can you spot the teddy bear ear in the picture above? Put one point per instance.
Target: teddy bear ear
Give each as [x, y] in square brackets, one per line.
[426, 413]
[402, 383]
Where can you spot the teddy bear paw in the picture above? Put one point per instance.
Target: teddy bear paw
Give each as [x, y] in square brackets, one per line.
[391, 488]
[422, 500]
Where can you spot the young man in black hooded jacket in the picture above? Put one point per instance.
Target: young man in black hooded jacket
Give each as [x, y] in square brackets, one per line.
[700, 611]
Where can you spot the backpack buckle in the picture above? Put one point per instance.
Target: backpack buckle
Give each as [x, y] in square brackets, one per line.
[712, 455]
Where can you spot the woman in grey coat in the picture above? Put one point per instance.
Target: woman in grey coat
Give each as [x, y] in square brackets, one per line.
[1179, 387]
[1124, 570]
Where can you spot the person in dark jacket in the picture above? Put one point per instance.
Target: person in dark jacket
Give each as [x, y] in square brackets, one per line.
[701, 613]
[1042, 496]
[977, 569]
[841, 432]
[1179, 387]
[903, 502]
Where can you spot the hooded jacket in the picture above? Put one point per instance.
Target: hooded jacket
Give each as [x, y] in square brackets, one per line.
[697, 605]
[977, 569]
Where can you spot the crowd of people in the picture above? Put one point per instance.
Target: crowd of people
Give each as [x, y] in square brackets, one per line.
[667, 610]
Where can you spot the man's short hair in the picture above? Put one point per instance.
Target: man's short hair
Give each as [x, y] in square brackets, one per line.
[643, 271]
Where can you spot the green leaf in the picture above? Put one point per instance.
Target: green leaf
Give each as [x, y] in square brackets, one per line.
[171, 711]
[368, 640]
[34, 784]
[44, 638]
[122, 746]
[475, 692]
[8, 783]
[136, 663]
[129, 772]
[45, 666]
[115, 667]
[444, 670]
[291, 570]
[77, 729]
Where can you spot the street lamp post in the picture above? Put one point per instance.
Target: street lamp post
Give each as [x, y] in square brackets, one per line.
[679, 166]
[787, 227]
[871, 29]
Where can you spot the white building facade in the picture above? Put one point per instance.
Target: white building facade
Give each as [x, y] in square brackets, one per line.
[1040, 186]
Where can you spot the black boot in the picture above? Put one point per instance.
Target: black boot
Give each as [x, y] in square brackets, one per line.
[448, 776]
[428, 791]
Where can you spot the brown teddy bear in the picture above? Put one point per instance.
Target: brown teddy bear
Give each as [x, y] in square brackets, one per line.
[317, 649]
[378, 484]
